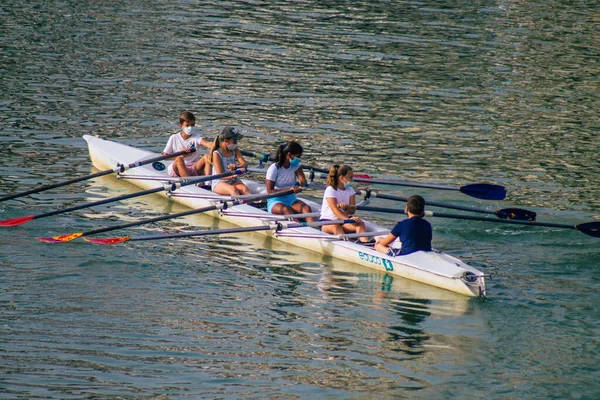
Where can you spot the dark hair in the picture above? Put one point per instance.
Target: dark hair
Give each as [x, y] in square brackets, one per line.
[335, 172]
[416, 205]
[286, 148]
[186, 116]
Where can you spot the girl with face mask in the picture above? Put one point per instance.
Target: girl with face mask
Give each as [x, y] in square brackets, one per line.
[226, 156]
[339, 203]
[285, 173]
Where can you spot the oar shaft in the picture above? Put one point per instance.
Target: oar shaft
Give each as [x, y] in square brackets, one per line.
[56, 185]
[221, 205]
[132, 195]
[98, 203]
[151, 220]
[276, 227]
[395, 183]
[262, 157]
[203, 233]
[119, 168]
[466, 217]
[433, 203]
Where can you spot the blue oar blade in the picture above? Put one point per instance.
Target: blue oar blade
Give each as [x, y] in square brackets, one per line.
[484, 191]
[589, 228]
[516, 213]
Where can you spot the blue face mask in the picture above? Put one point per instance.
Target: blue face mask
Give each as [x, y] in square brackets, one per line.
[295, 162]
[348, 185]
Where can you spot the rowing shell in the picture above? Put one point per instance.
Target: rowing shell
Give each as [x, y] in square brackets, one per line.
[432, 267]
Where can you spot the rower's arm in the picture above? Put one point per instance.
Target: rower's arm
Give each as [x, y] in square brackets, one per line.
[300, 176]
[331, 202]
[351, 209]
[206, 143]
[241, 161]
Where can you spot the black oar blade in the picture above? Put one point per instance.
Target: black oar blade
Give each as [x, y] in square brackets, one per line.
[17, 221]
[61, 238]
[113, 240]
[589, 228]
[516, 213]
[484, 191]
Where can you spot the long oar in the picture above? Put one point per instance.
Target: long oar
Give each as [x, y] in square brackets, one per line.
[118, 168]
[222, 205]
[484, 191]
[169, 188]
[504, 213]
[589, 228]
[274, 226]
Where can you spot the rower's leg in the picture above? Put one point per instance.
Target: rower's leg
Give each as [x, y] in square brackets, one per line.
[202, 166]
[243, 189]
[301, 207]
[179, 167]
[332, 229]
[226, 189]
[281, 209]
[360, 228]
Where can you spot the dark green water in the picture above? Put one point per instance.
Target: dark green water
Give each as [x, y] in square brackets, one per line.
[440, 92]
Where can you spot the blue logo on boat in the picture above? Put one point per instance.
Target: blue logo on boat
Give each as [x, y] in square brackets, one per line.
[157, 165]
[387, 264]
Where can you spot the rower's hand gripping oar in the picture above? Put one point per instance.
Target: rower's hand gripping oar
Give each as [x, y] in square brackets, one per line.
[274, 226]
[170, 187]
[505, 213]
[588, 228]
[221, 205]
[118, 169]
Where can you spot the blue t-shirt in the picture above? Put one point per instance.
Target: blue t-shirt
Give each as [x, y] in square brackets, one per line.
[414, 233]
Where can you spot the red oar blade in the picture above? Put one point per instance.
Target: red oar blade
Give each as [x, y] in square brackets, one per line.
[17, 221]
[362, 176]
[589, 228]
[114, 240]
[61, 238]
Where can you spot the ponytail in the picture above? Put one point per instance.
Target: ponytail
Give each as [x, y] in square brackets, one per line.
[215, 147]
[335, 172]
[332, 178]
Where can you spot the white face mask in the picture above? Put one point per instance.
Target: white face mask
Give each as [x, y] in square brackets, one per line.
[232, 146]
[188, 130]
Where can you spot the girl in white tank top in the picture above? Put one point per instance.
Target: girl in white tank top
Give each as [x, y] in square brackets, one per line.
[225, 156]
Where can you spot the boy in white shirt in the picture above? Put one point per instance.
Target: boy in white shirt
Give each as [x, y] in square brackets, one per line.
[194, 163]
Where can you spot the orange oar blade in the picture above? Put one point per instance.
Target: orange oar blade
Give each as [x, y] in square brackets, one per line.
[17, 221]
[61, 238]
[114, 240]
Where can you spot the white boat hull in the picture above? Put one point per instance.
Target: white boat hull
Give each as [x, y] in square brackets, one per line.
[434, 268]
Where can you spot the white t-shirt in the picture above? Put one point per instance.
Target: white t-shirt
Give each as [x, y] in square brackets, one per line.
[341, 196]
[178, 143]
[284, 178]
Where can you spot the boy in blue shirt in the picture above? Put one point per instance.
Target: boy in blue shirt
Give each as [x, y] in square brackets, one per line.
[414, 232]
